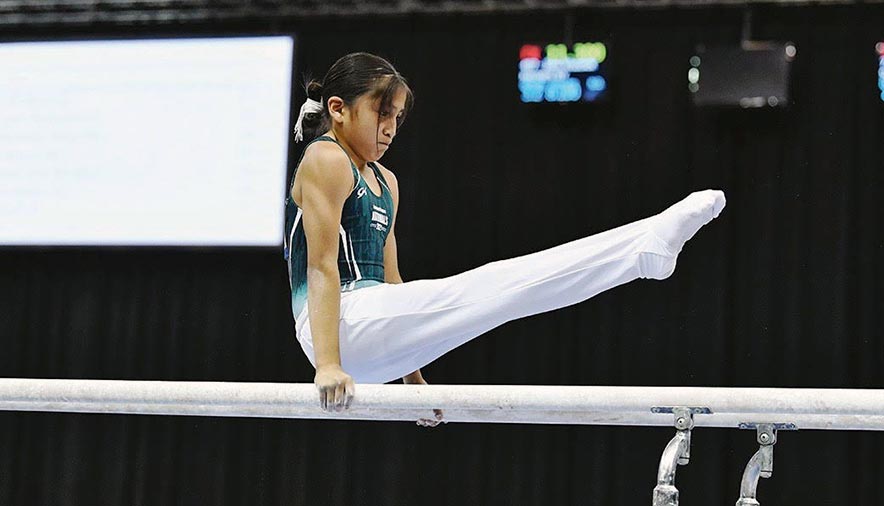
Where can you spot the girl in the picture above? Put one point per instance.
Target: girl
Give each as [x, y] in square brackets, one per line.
[354, 317]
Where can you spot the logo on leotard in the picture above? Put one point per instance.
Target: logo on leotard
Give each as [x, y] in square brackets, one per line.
[379, 218]
[360, 192]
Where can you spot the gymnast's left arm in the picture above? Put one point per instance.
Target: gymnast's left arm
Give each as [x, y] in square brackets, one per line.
[391, 255]
[391, 260]
[391, 275]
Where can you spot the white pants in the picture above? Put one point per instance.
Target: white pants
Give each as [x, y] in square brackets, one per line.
[390, 330]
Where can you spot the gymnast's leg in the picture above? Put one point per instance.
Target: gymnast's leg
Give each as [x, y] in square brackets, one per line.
[390, 330]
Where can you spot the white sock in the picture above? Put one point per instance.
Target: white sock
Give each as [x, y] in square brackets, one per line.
[682, 220]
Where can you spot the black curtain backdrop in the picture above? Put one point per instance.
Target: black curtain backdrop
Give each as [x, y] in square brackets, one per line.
[783, 290]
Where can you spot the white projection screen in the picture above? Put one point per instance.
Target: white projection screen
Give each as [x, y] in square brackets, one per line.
[161, 142]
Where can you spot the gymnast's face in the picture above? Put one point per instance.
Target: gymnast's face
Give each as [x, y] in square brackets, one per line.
[368, 128]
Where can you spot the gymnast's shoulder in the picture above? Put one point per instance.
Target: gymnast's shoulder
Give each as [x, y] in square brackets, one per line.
[326, 161]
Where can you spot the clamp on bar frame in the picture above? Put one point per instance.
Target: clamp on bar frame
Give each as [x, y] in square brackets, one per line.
[761, 464]
[677, 453]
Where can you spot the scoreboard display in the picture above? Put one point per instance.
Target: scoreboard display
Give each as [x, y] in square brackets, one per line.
[558, 73]
[749, 75]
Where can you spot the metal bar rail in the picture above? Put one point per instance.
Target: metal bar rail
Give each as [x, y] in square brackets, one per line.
[765, 410]
[800, 408]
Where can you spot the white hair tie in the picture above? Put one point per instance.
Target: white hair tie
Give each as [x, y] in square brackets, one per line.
[310, 106]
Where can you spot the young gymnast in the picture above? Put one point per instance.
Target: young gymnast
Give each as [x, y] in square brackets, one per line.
[355, 318]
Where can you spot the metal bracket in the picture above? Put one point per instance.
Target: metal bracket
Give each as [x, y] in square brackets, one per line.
[684, 422]
[776, 426]
[677, 452]
[761, 464]
[671, 409]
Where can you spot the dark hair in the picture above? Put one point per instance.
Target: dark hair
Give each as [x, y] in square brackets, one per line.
[352, 76]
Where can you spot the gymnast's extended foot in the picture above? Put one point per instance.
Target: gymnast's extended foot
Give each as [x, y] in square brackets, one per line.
[682, 220]
[675, 226]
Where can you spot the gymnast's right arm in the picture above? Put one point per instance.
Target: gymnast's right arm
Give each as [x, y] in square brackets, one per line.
[326, 182]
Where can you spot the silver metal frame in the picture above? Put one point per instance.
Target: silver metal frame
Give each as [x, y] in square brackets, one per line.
[676, 453]
[765, 410]
[759, 466]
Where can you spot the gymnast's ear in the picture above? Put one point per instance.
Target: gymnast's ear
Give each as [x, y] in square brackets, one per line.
[336, 108]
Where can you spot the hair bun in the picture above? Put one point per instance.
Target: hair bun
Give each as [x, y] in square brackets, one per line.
[314, 90]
